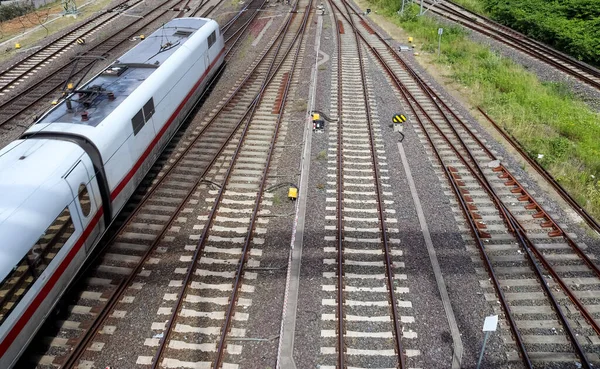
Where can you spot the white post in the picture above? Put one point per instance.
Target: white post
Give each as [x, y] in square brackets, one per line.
[489, 325]
[440, 31]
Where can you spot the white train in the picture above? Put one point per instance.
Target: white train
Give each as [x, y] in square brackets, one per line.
[65, 180]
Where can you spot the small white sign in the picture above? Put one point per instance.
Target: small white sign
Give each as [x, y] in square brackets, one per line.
[440, 31]
[491, 323]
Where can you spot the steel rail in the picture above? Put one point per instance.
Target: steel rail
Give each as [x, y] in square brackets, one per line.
[70, 33]
[439, 103]
[514, 224]
[195, 139]
[14, 100]
[121, 288]
[204, 235]
[246, 247]
[559, 54]
[340, 204]
[519, 45]
[518, 232]
[545, 174]
[240, 31]
[384, 233]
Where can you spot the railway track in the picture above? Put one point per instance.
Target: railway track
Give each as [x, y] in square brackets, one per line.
[41, 59]
[567, 64]
[15, 109]
[241, 202]
[364, 324]
[591, 222]
[149, 231]
[541, 280]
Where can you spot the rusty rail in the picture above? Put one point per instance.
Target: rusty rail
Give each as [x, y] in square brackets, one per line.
[520, 45]
[204, 236]
[397, 329]
[544, 173]
[80, 347]
[512, 223]
[48, 46]
[49, 79]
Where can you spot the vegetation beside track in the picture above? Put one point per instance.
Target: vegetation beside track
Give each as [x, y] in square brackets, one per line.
[13, 10]
[35, 18]
[572, 26]
[554, 127]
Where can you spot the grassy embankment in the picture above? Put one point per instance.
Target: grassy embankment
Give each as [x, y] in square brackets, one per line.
[18, 25]
[555, 128]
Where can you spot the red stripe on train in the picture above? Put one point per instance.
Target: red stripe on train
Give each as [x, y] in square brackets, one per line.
[41, 296]
[129, 175]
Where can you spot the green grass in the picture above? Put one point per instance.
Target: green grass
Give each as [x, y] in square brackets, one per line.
[476, 6]
[545, 117]
[276, 199]
[45, 14]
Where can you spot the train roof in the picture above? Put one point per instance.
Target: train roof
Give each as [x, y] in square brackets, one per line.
[105, 92]
[32, 193]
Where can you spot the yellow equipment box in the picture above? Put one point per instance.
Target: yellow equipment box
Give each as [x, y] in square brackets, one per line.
[293, 193]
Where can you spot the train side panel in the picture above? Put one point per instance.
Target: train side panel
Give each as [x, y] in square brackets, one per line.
[172, 92]
[60, 266]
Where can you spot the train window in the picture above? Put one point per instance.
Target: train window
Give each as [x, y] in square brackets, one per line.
[149, 109]
[84, 200]
[138, 122]
[212, 39]
[24, 274]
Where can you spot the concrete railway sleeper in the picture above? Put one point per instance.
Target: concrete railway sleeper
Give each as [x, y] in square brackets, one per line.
[216, 129]
[275, 71]
[349, 44]
[470, 167]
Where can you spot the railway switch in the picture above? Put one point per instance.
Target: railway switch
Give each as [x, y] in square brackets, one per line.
[293, 193]
[80, 41]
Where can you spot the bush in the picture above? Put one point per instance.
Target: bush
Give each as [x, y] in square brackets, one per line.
[572, 26]
[14, 10]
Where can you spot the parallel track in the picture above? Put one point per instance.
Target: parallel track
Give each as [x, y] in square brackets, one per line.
[42, 58]
[591, 222]
[369, 329]
[12, 110]
[256, 139]
[567, 64]
[142, 236]
[519, 245]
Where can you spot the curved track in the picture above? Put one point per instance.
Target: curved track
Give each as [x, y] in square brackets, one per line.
[42, 57]
[147, 232]
[541, 277]
[567, 64]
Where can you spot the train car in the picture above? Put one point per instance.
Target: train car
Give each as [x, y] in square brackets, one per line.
[66, 179]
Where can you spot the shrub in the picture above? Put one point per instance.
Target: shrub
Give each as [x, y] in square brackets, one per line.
[14, 10]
